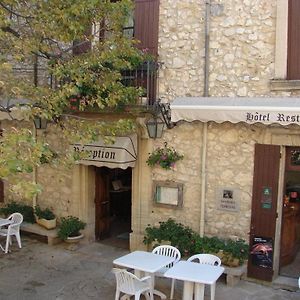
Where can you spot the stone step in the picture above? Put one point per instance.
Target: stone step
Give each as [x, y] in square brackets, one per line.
[50, 234]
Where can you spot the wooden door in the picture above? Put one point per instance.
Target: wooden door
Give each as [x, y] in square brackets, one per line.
[102, 204]
[264, 207]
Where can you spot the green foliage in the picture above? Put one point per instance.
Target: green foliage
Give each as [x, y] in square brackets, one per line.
[164, 157]
[26, 210]
[70, 227]
[189, 242]
[46, 213]
[47, 32]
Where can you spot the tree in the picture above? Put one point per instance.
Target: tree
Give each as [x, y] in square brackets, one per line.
[47, 34]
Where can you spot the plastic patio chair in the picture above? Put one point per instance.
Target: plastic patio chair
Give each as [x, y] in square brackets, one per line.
[131, 285]
[13, 229]
[171, 251]
[208, 259]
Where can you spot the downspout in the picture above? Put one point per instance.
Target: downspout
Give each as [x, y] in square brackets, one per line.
[34, 173]
[204, 131]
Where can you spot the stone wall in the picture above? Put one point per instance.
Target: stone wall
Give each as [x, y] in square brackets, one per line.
[241, 64]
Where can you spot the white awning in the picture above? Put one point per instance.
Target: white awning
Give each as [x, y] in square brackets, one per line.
[282, 111]
[121, 154]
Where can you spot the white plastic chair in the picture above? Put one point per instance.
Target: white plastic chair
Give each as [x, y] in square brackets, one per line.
[208, 259]
[171, 251]
[131, 285]
[13, 229]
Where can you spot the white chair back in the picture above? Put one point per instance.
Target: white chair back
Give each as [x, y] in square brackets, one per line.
[129, 284]
[208, 259]
[16, 218]
[125, 281]
[170, 251]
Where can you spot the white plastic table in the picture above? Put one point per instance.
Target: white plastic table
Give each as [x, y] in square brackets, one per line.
[194, 274]
[142, 261]
[4, 222]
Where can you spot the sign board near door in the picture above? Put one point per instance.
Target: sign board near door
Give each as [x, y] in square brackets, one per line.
[120, 154]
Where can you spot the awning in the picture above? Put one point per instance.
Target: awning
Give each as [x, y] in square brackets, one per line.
[283, 111]
[121, 154]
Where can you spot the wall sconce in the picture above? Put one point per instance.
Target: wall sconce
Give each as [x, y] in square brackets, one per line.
[40, 123]
[156, 124]
[155, 127]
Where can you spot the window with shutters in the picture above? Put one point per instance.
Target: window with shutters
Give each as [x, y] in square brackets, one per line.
[287, 54]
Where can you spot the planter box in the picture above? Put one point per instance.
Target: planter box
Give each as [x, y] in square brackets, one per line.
[48, 224]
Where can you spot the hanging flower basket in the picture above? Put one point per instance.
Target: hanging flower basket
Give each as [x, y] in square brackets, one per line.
[165, 157]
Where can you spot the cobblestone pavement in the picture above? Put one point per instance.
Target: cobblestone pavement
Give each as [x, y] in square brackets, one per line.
[64, 272]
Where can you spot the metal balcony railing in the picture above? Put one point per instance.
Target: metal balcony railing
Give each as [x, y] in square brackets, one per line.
[146, 77]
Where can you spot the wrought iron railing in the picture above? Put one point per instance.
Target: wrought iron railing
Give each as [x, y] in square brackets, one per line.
[146, 77]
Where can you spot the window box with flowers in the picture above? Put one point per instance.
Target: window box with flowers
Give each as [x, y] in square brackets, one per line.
[165, 157]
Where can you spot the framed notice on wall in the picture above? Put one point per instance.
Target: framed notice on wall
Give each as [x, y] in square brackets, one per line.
[167, 193]
[228, 198]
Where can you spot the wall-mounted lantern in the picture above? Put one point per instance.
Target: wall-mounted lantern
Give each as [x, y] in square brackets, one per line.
[156, 124]
[155, 127]
[40, 123]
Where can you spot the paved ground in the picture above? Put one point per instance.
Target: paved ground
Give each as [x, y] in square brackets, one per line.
[38, 271]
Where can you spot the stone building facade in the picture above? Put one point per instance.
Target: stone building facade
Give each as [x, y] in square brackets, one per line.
[245, 57]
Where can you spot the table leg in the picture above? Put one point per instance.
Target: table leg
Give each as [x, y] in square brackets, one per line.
[156, 292]
[199, 291]
[188, 289]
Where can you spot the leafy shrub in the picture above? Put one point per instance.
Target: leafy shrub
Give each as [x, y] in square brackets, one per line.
[189, 242]
[26, 210]
[69, 227]
[44, 213]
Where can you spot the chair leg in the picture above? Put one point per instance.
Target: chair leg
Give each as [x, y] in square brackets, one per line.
[19, 240]
[7, 243]
[137, 296]
[212, 291]
[117, 296]
[172, 289]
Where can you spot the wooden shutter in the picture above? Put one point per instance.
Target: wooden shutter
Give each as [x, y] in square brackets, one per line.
[263, 214]
[146, 24]
[293, 61]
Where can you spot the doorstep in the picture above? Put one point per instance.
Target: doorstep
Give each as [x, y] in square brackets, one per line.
[51, 235]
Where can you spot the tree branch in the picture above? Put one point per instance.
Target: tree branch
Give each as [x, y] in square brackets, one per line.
[14, 12]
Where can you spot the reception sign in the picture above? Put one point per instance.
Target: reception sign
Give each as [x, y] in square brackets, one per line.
[120, 154]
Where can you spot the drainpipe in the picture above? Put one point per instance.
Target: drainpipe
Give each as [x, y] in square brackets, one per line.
[204, 131]
[34, 174]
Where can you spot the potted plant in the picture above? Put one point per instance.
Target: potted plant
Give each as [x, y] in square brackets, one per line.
[45, 217]
[69, 229]
[165, 157]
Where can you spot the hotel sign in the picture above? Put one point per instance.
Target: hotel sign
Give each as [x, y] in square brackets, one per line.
[272, 117]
